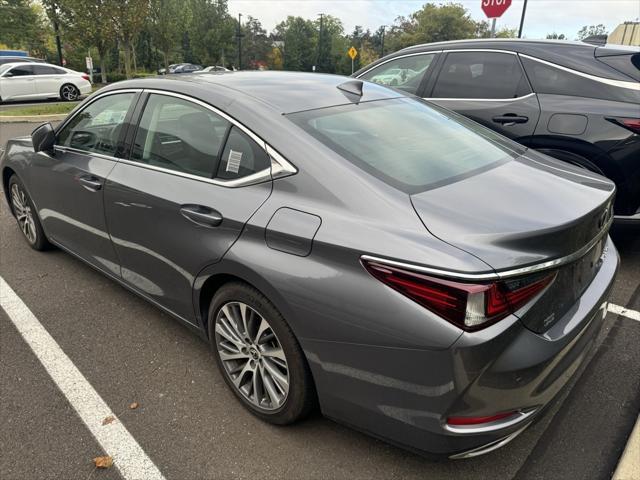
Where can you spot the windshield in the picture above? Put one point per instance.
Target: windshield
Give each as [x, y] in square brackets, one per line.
[5, 67]
[408, 143]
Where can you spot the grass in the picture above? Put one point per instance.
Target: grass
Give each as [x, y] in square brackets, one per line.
[44, 109]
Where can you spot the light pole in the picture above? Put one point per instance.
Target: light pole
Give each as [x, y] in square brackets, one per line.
[321, 15]
[382, 41]
[239, 35]
[524, 10]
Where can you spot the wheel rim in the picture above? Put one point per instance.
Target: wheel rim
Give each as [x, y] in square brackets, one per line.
[23, 212]
[252, 355]
[69, 92]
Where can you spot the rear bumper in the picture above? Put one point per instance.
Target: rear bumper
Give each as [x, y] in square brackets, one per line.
[405, 395]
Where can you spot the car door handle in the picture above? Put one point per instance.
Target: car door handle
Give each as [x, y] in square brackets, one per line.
[510, 119]
[205, 216]
[90, 182]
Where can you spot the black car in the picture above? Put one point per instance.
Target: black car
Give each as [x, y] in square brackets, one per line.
[185, 68]
[572, 100]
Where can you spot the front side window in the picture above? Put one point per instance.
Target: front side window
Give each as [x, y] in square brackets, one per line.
[180, 135]
[404, 73]
[22, 71]
[481, 75]
[97, 128]
[407, 143]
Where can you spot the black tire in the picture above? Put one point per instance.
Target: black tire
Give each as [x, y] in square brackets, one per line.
[39, 240]
[69, 92]
[301, 397]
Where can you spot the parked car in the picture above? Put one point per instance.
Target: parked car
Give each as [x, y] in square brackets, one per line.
[185, 68]
[215, 68]
[163, 71]
[15, 58]
[30, 81]
[571, 100]
[419, 276]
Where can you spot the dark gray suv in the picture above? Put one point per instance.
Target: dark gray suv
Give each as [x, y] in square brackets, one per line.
[575, 101]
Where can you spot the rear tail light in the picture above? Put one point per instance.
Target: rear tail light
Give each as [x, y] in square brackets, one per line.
[470, 306]
[475, 421]
[86, 77]
[632, 124]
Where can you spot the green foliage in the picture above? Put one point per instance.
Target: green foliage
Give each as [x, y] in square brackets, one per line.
[589, 30]
[299, 37]
[23, 26]
[556, 36]
[168, 21]
[210, 36]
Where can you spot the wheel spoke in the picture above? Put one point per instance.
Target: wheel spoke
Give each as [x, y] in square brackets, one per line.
[270, 388]
[274, 352]
[238, 380]
[277, 376]
[263, 327]
[233, 356]
[224, 331]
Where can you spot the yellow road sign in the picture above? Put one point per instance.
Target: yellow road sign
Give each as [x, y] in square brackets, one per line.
[353, 53]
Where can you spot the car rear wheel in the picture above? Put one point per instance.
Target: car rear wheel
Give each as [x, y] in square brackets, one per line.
[69, 92]
[258, 355]
[26, 216]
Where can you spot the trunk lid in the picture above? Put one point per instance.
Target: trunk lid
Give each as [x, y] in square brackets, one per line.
[525, 212]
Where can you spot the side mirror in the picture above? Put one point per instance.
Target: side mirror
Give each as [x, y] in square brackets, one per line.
[43, 138]
[8, 74]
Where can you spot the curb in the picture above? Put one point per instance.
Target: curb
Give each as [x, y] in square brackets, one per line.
[629, 465]
[32, 118]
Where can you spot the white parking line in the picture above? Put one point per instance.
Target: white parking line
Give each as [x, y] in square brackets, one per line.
[625, 312]
[132, 462]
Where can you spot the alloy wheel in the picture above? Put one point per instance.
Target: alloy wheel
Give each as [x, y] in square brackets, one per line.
[23, 213]
[69, 92]
[252, 355]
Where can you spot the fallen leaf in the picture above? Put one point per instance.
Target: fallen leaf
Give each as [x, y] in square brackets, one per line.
[108, 420]
[134, 405]
[103, 462]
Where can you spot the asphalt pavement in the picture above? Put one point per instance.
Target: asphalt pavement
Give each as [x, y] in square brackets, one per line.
[191, 426]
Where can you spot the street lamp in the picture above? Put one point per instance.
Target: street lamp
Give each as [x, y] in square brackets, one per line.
[239, 35]
[315, 67]
[382, 40]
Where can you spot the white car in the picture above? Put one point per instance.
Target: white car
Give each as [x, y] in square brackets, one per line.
[215, 68]
[31, 81]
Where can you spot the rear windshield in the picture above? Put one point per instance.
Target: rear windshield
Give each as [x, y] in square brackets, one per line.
[627, 64]
[409, 144]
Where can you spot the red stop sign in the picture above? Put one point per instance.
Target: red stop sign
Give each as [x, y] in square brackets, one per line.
[495, 8]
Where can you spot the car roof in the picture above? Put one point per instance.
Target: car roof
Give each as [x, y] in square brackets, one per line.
[578, 56]
[39, 64]
[285, 92]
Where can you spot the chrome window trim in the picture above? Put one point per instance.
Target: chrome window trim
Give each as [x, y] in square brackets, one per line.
[514, 99]
[430, 52]
[494, 50]
[498, 275]
[280, 166]
[607, 81]
[254, 178]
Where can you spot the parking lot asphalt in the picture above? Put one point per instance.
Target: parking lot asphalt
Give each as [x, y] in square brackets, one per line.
[191, 426]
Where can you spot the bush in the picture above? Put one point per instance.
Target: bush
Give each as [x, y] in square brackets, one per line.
[115, 77]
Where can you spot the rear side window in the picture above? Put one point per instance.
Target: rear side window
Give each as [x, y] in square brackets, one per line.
[556, 81]
[180, 135]
[404, 73]
[407, 143]
[47, 70]
[481, 75]
[241, 157]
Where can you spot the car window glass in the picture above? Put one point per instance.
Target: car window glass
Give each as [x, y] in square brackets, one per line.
[404, 73]
[180, 135]
[407, 143]
[97, 127]
[22, 70]
[46, 70]
[241, 156]
[481, 75]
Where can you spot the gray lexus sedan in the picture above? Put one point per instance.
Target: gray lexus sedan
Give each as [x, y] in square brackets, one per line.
[340, 244]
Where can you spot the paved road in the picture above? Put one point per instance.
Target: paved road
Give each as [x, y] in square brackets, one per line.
[191, 426]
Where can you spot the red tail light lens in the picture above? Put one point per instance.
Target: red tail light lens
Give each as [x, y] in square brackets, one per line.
[86, 77]
[468, 421]
[632, 124]
[470, 306]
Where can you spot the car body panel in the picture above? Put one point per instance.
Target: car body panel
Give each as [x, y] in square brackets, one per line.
[380, 361]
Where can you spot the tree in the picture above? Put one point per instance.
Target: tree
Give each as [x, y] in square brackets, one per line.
[438, 23]
[167, 25]
[89, 22]
[128, 20]
[556, 36]
[590, 30]
[255, 44]
[299, 37]
[22, 26]
[210, 32]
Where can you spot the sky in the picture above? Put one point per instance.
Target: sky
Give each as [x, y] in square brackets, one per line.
[542, 16]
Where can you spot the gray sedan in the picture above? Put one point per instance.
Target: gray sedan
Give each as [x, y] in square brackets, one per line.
[340, 244]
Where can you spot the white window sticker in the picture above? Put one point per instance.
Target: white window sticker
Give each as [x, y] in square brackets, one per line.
[233, 162]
